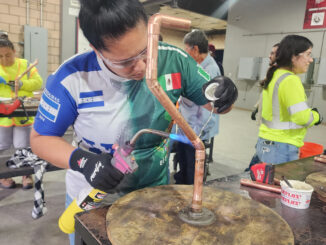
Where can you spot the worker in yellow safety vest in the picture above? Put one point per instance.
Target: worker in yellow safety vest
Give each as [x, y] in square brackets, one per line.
[286, 115]
[15, 130]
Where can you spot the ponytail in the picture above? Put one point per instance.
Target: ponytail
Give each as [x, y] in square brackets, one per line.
[269, 76]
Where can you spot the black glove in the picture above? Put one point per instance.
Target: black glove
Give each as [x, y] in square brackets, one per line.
[222, 91]
[96, 168]
[12, 85]
[253, 114]
[320, 116]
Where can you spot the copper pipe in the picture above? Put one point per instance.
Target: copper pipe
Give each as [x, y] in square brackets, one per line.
[23, 74]
[154, 24]
[262, 186]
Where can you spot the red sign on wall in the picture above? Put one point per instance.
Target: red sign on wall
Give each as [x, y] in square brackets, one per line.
[315, 16]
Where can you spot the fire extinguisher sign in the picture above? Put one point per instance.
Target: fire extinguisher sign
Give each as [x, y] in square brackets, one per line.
[315, 16]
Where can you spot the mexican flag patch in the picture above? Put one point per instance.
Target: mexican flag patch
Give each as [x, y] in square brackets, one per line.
[170, 81]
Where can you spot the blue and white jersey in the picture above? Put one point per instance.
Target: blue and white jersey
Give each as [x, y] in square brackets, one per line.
[105, 109]
[83, 93]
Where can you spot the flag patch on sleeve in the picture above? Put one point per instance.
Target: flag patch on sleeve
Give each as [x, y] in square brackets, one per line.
[170, 81]
[91, 99]
[49, 108]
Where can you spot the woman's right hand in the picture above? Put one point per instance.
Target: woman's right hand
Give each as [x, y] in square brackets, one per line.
[96, 168]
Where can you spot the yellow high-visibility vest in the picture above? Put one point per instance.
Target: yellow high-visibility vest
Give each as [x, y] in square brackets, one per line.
[31, 82]
[285, 112]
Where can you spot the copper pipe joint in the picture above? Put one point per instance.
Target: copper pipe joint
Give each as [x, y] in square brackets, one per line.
[154, 24]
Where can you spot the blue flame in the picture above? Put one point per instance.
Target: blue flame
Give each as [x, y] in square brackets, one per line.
[180, 138]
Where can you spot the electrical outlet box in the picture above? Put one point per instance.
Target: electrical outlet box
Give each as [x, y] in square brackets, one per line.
[36, 47]
[249, 68]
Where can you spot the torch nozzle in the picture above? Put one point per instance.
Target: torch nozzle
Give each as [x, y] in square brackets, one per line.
[177, 137]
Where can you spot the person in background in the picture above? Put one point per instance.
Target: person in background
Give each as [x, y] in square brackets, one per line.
[272, 54]
[258, 105]
[285, 113]
[196, 45]
[104, 96]
[14, 131]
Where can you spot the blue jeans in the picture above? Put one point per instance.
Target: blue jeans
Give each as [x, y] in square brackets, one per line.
[72, 235]
[186, 156]
[275, 152]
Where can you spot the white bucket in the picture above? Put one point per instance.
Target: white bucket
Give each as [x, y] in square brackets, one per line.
[297, 197]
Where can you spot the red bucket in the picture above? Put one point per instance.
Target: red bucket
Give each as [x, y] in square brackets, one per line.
[310, 149]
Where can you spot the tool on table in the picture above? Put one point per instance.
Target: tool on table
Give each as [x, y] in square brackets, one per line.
[262, 172]
[7, 109]
[10, 108]
[262, 186]
[287, 182]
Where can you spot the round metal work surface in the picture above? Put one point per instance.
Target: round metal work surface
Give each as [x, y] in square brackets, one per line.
[318, 182]
[151, 216]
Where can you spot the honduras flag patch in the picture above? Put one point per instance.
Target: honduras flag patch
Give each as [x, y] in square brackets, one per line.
[90, 99]
[48, 107]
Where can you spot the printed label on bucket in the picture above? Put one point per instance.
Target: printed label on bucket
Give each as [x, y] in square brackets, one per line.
[297, 197]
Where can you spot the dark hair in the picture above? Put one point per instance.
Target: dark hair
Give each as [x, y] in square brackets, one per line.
[5, 42]
[291, 45]
[276, 45]
[197, 38]
[111, 19]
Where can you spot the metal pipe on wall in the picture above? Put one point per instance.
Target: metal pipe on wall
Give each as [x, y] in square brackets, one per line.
[27, 12]
[41, 13]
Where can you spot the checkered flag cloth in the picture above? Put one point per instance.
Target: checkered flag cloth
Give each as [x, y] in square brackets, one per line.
[26, 158]
[39, 208]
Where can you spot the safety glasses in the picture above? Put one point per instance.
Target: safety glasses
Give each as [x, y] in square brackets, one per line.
[127, 62]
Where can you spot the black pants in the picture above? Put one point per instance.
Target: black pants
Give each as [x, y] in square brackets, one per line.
[186, 157]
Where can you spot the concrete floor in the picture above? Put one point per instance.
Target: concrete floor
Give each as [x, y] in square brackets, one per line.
[233, 149]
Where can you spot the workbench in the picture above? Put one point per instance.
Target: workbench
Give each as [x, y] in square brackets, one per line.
[308, 225]
[6, 172]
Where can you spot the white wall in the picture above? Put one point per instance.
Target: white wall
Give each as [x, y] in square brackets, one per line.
[254, 26]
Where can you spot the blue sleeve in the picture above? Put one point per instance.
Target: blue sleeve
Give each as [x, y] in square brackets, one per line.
[213, 71]
[57, 110]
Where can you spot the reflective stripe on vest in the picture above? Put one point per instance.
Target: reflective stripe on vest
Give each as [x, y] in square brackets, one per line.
[276, 123]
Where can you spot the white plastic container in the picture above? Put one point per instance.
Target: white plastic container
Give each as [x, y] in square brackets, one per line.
[297, 197]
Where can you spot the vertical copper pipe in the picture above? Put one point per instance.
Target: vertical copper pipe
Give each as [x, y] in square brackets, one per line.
[23, 74]
[154, 24]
